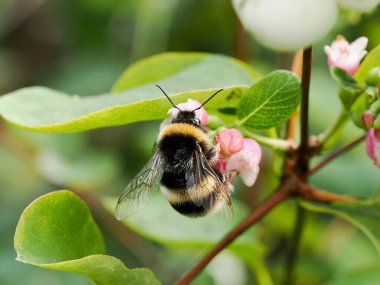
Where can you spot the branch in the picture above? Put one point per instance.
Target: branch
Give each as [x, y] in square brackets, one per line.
[302, 164]
[318, 195]
[305, 84]
[292, 123]
[334, 155]
[283, 193]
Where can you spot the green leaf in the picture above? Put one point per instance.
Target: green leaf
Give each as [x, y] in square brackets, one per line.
[194, 76]
[364, 215]
[57, 231]
[105, 270]
[350, 89]
[164, 66]
[357, 110]
[57, 227]
[371, 61]
[270, 101]
[345, 80]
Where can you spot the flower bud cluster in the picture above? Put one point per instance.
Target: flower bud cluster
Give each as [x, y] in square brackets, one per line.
[347, 56]
[371, 117]
[238, 155]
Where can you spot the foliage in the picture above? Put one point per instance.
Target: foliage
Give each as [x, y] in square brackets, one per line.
[57, 230]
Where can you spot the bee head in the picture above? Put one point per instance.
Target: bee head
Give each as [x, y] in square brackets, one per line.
[187, 117]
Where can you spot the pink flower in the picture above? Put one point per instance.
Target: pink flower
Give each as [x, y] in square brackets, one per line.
[373, 145]
[222, 164]
[238, 155]
[346, 56]
[190, 105]
[246, 162]
[230, 141]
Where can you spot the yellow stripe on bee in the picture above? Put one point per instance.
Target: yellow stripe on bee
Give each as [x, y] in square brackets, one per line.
[185, 130]
[191, 194]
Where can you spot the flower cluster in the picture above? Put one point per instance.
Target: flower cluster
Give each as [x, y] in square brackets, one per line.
[346, 56]
[238, 155]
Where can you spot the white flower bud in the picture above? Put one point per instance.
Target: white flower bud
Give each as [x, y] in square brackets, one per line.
[287, 25]
[359, 5]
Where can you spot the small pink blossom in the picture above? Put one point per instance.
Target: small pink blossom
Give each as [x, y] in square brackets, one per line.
[238, 155]
[373, 145]
[230, 141]
[246, 162]
[346, 56]
[222, 164]
[190, 105]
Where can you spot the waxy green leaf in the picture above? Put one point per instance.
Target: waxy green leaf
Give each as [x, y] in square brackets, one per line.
[182, 75]
[364, 215]
[371, 61]
[270, 101]
[345, 80]
[57, 227]
[57, 231]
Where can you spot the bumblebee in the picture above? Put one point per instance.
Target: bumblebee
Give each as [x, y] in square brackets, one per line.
[184, 166]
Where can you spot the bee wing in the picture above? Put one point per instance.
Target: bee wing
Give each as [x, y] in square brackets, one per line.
[213, 184]
[137, 192]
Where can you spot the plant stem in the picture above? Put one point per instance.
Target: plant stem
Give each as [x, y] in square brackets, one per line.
[329, 132]
[334, 155]
[302, 166]
[277, 144]
[291, 127]
[294, 246]
[305, 84]
[313, 194]
[259, 212]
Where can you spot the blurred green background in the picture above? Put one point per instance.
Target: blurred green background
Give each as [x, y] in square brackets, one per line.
[81, 47]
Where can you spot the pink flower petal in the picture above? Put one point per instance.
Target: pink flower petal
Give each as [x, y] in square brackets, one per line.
[373, 145]
[190, 105]
[346, 56]
[230, 141]
[246, 161]
[359, 45]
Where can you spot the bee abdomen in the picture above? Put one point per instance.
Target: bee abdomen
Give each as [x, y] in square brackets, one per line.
[196, 208]
[177, 181]
[193, 200]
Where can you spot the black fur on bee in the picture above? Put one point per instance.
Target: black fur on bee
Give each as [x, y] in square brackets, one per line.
[179, 145]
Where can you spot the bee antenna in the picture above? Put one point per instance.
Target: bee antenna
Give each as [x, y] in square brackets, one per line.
[204, 103]
[168, 97]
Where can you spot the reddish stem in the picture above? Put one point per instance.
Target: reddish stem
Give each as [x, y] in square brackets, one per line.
[261, 210]
[334, 155]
